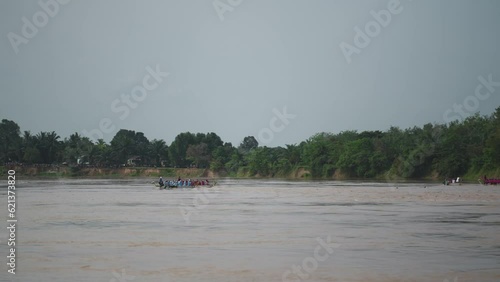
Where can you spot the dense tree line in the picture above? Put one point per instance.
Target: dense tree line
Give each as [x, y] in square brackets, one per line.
[468, 146]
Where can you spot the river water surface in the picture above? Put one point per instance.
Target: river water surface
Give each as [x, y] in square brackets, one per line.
[253, 230]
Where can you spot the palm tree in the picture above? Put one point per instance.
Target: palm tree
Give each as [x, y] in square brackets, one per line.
[158, 149]
[101, 154]
[53, 145]
[28, 139]
[30, 152]
[49, 146]
[74, 140]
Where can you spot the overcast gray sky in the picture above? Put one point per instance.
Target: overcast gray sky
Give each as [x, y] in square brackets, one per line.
[228, 69]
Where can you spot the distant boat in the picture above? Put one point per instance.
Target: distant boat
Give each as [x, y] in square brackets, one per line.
[170, 186]
[452, 181]
[491, 181]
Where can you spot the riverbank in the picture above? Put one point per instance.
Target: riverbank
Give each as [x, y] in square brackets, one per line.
[257, 230]
[96, 172]
[168, 172]
[48, 171]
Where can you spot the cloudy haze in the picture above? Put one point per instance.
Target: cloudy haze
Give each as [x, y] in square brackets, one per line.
[231, 70]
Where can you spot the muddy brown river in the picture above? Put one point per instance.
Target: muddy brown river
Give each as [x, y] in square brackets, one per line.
[253, 230]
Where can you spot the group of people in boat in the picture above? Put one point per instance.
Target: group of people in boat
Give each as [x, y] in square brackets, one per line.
[492, 181]
[182, 183]
[448, 181]
[483, 180]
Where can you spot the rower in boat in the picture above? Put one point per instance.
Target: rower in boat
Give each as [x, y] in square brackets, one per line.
[491, 181]
[180, 183]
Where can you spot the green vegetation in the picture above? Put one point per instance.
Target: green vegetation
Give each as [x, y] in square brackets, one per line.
[467, 148]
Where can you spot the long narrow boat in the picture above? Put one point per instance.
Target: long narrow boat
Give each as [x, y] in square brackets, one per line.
[157, 185]
[486, 181]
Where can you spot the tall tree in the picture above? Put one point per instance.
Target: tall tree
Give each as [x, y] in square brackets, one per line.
[159, 151]
[78, 148]
[249, 143]
[10, 141]
[318, 154]
[30, 152]
[491, 152]
[127, 144]
[355, 158]
[260, 161]
[198, 154]
[102, 154]
[49, 146]
[178, 149]
[221, 156]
